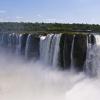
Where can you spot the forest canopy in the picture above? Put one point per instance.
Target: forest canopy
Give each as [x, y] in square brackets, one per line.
[47, 27]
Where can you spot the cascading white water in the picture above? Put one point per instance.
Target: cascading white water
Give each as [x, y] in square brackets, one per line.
[49, 49]
[45, 48]
[42, 47]
[97, 55]
[27, 46]
[18, 46]
[15, 42]
[72, 50]
[91, 58]
[56, 50]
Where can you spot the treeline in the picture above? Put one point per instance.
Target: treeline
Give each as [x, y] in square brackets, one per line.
[47, 27]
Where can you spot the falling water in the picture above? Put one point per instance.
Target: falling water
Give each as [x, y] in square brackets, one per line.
[92, 56]
[18, 50]
[18, 37]
[72, 50]
[56, 50]
[45, 48]
[21, 80]
[42, 46]
[97, 55]
[27, 46]
[49, 49]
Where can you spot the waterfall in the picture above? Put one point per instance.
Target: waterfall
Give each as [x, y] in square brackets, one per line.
[91, 58]
[97, 55]
[72, 50]
[18, 46]
[56, 50]
[12, 42]
[42, 47]
[32, 47]
[27, 46]
[49, 49]
[45, 45]
[63, 50]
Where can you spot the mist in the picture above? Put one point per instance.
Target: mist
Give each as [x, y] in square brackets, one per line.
[21, 80]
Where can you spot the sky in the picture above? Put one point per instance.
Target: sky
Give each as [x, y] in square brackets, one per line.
[60, 11]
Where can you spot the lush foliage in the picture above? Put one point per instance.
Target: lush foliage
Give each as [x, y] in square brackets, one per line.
[47, 27]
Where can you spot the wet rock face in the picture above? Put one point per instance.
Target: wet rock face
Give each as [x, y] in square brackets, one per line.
[79, 51]
[33, 47]
[23, 43]
[91, 39]
[65, 51]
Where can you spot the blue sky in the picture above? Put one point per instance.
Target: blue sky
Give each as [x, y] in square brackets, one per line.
[64, 11]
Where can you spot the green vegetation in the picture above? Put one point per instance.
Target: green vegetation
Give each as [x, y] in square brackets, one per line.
[47, 27]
